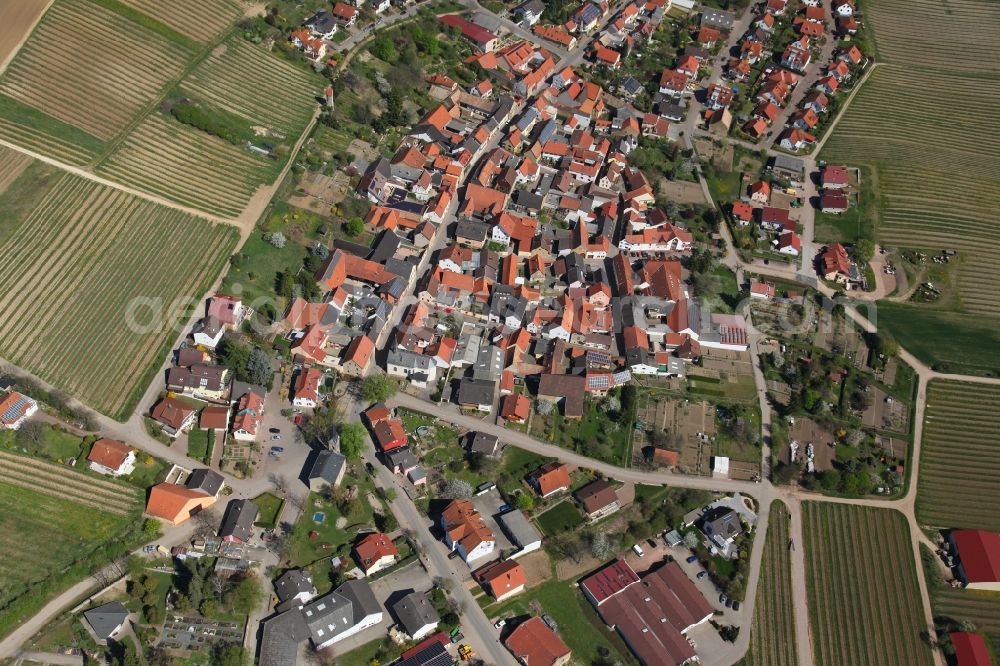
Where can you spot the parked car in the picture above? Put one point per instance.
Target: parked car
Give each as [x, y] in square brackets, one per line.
[692, 559]
[729, 603]
[723, 598]
[504, 508]
[275, 431]
[638, 550]
[499, 624]
[274, 437]
[275, 450]
[701, 574]
[736, 605]
[652, 544]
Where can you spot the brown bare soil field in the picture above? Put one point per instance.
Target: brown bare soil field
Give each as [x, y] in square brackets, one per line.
[17, 18]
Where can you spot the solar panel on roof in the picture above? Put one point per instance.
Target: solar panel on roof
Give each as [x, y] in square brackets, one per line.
[15, 410]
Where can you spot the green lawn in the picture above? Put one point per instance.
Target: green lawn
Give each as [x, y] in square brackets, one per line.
[563, 517]
[258, 274]
[55, 444]
[380, 651]
[49, 543]
[578, 623]
[857, 222]
[329, 540]
[947, 341]
[270, 510]
[596, 435]
[199, 446]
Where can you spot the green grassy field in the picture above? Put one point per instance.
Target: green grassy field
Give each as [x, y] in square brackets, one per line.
[858, 221]
[270, 509]
[579, 625]
[95, 281]
[864, 603]
[960, 456]
[947, 341]
[772, 635]
[935, 169]
[198, 444]
[563, 517]
[52, 541]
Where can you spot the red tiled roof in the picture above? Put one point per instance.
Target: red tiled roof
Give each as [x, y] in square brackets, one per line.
[551, 477]
[501, 577]
[653, 614]
[373, 548]
[109, 453]
[532, 642]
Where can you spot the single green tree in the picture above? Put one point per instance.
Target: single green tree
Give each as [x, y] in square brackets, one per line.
[354, 226]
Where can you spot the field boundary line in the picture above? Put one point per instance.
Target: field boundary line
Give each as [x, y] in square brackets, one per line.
[857, 88]
[78, 171]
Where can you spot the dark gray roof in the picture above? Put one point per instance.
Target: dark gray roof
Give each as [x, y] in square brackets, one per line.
[360, 594]
[414, 612]
[716, 18]
[484, 443]
[787, 163]
[327, 466]
[205, 481]
[472, 230]
[293, 582]
[402, 457]
[280, 638]
[518, 528]
[384, 247]
[723, 521]
[239, 519]
[106, 619]
[433, 655]
[473, 392]
[328, 616]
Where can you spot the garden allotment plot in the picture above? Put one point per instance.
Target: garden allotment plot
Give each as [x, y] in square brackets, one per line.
[74, 256]
[864, 602]
[960, 456]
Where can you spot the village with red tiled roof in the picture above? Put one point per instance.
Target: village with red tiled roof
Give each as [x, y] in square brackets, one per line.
[540, 334]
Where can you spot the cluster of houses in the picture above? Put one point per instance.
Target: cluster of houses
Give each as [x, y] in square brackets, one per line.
[754, 208]
[776, 84]
[392, 444]
[632, 27]
[232, 408]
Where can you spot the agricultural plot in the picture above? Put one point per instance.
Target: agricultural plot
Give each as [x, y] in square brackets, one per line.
[772, 635]
[934, 164]
[864, 602]
[91, 68]
[188, 166]
[282, 97]
[201, 20]
[12, 163]
[52, 518]
[976, 606]
[95, 282]
[960, 456]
